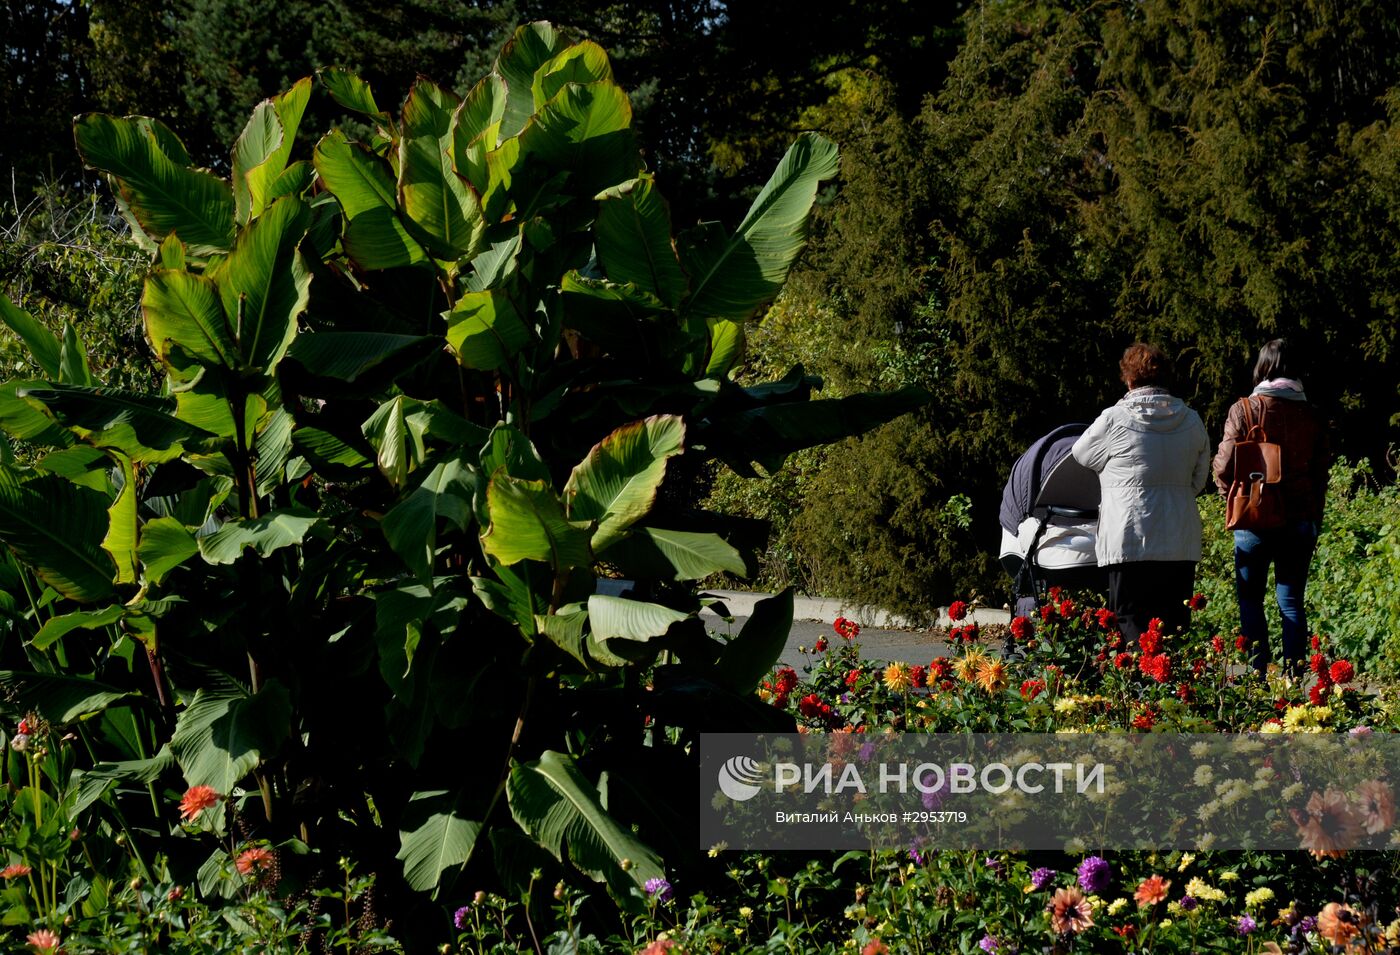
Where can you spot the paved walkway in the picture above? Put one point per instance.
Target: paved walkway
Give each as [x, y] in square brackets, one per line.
[883, 636]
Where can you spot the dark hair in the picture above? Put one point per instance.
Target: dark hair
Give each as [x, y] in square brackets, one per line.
[1273, 362]
[1145, 365]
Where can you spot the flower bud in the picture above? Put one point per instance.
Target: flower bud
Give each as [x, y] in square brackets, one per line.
[559, 890]
[626, 865]
[136, 884]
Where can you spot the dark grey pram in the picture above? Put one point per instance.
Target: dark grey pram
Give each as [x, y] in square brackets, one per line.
[1049, 521]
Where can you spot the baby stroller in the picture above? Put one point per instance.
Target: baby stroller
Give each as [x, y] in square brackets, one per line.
[1049, 521]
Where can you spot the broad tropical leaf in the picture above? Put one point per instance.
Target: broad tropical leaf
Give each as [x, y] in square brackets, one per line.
[616, 483]
[656, 553]
[225, 731]
[140, 426]
[527, 523]
[736, 277]
[633, 232]
[57, 528]
[585, 130]
[353, 93]
[56, 628]
[560, 809]
[726, 346]
[485, 331]
[750, 656]
[443, 205]
[264, 283]
[397, 441]
[768, 433]
[284, 527]
[43, 347]
[120, 542]
[346, 356]
[475, 129]
[439, 840]
[532, 46]
[583, 63]
[373, 234]
[60, 699]
[332, 456]
[411, 526]
[615, 618]
[260, 155]
[165, 545]
[185, 323]
[159, 190]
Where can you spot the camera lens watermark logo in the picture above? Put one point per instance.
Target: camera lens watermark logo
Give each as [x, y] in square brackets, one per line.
[740, 778]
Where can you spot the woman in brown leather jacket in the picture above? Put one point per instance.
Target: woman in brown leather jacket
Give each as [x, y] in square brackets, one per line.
[1280, 405]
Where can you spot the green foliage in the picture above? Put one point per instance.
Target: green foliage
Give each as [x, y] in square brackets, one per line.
[408, 342]
[71, 262]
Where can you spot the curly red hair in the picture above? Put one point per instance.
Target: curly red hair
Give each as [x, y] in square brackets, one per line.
[1144, 365]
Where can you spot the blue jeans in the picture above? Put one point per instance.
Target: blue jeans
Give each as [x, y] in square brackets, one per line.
[1289, 549]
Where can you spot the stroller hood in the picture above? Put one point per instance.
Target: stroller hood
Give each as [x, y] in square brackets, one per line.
[1047, 475]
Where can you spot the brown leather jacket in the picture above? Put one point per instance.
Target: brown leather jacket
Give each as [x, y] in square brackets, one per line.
[1301, 432]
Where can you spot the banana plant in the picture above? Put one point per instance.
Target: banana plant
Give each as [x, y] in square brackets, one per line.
[421, 393]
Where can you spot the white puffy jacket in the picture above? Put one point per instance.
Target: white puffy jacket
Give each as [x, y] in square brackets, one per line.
[1152, 456]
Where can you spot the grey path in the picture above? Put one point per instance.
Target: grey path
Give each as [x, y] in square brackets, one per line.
[883, 636]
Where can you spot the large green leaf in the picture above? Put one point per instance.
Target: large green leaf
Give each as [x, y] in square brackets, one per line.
[374, 235]
[750, 656]
[439, 839]
[56, 528]
[353, 93]
[527, 522]
[736, 277]
[90, 785]
[21, 420]
[560, 809]
[475, 129]
[586, 131]
[397, 440]
[411, 526]
[332, 456]
[225, 731]
[768, 433]
[633, 233]
[347, 356]
[265, 284]
[260, 155]
[485, 331]
[185, 323]
[583, 63]
[284, 527]
[120, 542]
[72, 359]
[158, 189]
[165, 545]
[56, 628]
[443, 205]
[140, 426]
[59, 699]
[616, 483]
[655, 553]
[43, 346]
[616, 618]
[532, 46]
[726, 346]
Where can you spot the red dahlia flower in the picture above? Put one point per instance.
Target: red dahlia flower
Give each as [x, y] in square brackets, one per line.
[1342, 672]
[957, 610]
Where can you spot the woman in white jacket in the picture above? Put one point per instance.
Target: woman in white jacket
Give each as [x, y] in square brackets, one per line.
[1152, 456]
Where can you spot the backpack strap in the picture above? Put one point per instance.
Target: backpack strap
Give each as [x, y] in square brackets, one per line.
[1251, 424]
